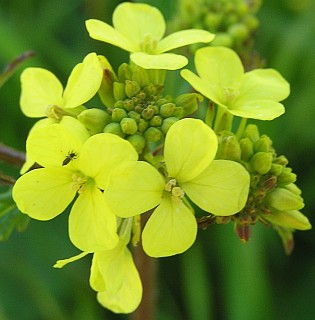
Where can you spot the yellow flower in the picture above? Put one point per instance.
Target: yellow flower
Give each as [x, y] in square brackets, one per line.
[73, 165]
[216, 186]
[43, 95]
[254, 94]
[139, 29]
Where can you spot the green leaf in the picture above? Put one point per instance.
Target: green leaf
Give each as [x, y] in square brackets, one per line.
[10, 217]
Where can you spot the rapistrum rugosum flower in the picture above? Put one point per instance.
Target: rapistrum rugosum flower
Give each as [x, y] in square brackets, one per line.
[221, 78]
[139, 28]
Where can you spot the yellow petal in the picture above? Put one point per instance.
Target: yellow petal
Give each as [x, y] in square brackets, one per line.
[44, 193]
[100, 155]
[183, 38]
[135, 187]
[221, 189]
[92, 226]
[84, 82]
[102, 31]
[137, 20]
[171, 229]
[115, 272]
[190, 146]
[40, 89]
[165, 61]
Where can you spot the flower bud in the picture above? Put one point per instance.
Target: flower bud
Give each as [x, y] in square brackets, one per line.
[114, 128]
[148, 112]
[134, 115]
[124, 72]
[263, 144]
[212, 20]
[293, 188]
[118, 114]
[189, 102]
[281, 160]
[119, 91]
[141, 76]
[178, 112]
[261, 162]
[167, 109]
[286, 176]
[94, 119]
[153, 134]
[167, 123]
[137, 141]
[228, 148]
[222, 39]
[292, 219]
[239, 32]
[251, 132]
[156, 121]
[142, 125]
[247, 149]
[131, 88]
[276, 169]
[128, 126]
[282, 199]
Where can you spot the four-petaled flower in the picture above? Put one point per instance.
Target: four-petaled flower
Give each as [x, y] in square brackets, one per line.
[254, 94]
[216, 186]
[139, 29]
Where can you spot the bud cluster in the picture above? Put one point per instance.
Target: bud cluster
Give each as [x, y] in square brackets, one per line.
[138, 111]
[273, 198]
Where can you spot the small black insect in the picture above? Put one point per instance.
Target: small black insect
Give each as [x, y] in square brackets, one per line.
[71, 155]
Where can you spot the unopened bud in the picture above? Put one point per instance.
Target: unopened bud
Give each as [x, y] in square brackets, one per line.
[167, 109]
[292, 219]
[114, 128]
[137, 141]
[282, 199]
[239, 32]
[222, 39]
[293, 188]
[131, 88]
[124, 72]
[153, 134]
[141, 76]
[94, 120]
[263, 144]
[148, 112]
[167, 123]
[251, 132]
[134, 115]
[119, 91]
[156, 121]
[286, 176]
[228, 148]
[276, 169]
[128, 126]
[247, 149]
[189, 102]
[118, 114]
[261, 162]
[143, 125]
[178, 112]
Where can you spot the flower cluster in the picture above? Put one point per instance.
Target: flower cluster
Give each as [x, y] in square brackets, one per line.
[138, 153]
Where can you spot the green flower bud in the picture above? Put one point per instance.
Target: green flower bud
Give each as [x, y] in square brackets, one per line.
[247, 149]
[118, 114]
[178, 112]
[162, 101]
[251, 22]
[228, 148]
[148, 112]
[167, 123]
[138, 142]
[222, 39]
[150, 90]
[276, 169]
[293, 188]
[282, 199]
[131, 88]
[251, 132]
[286, 176]
[124, 72]
[261, 162]
[212, 20]
[134, 115]
[106, 89]
[128, 126]
[153, 134]
[119, 104]
[167, 109]
[94, 119]
[141, 76]
[281, 160]
[189, 102]
[114, 128]
[142, 125]
[119, 91]
[263, 144]
[128, 105]
[156, 121]
[292, 219]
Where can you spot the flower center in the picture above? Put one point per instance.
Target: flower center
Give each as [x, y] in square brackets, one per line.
[176, 192]
[80, 182]
[55, 112]
[230, 95]
[148, 44]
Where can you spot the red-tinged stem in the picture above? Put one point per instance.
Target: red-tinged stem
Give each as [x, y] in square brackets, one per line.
[11, 156]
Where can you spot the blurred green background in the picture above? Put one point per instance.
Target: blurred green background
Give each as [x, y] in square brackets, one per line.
[219, 278]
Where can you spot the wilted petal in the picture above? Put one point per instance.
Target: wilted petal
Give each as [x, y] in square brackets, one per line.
[44, 193]
[222, 189]
[183, 38]
[63, 262]
[190, 146]
[166, 61]
[92, 226]
[84, 82]
[171, 229]
[40, 89]
[134, 187]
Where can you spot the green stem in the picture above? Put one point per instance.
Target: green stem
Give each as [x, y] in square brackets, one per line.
[241, 128]
[223, 120]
